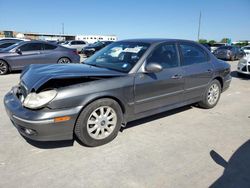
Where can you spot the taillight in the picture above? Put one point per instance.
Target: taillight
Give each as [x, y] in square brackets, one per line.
[75, 52]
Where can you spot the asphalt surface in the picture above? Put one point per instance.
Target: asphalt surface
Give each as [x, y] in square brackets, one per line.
[187, 147]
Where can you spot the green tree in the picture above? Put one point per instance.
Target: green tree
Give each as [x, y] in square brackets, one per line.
[225, 40]
[211, 42]
[202, 41]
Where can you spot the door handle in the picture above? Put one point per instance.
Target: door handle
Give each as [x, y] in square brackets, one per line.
[177, 76]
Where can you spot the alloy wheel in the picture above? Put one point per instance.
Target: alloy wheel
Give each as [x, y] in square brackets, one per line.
[64, 60]
[3, 67]
[213, 94]
[101, 122]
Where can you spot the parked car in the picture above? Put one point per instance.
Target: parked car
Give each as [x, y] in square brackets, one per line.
[93, 100]
[75, 44]
[16, 56]
[215, 46]
[229, 53]
[4, 43]
[244, 66]
[92, 48]
[246, 49]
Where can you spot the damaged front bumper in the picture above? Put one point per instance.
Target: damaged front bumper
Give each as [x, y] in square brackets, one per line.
[41, 125]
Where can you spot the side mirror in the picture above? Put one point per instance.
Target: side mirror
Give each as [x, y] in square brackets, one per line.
[18, 50]
[153, 67]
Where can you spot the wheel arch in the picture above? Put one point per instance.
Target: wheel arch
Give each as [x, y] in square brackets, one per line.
[220, 80]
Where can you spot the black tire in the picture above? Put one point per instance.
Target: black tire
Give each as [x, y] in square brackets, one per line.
[64, 60]
[205, 101]
[81, 130]
[4, 67]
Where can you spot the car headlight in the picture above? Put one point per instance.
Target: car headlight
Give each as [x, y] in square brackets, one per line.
[38, 100]
[243, 62]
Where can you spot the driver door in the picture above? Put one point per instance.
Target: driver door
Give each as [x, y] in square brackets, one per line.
[30, 53]
[156, 90]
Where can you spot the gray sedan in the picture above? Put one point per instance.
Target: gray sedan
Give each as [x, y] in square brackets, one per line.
[17, 56]
[124, 81]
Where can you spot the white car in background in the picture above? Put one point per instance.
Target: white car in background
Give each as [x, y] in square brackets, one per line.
[246, 49]
[75, 44]
[244, 66]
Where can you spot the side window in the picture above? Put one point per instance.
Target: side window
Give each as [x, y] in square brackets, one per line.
[31, 47]
[49, 47]
[81, 42]
[73, 42]
[166, 55]
[193, 54]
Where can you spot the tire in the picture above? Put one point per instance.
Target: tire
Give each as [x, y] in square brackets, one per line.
[211, 97]
[92, 128]
[64, 60]
[4, 67]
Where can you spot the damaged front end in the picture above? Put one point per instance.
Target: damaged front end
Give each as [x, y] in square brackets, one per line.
[40, 84]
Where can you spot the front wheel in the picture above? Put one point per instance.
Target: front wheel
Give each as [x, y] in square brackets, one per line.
[99, 123]
[212, 95]
[4, 68]
[64, 60]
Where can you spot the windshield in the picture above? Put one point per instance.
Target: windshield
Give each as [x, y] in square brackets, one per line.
[97, 44]
[120, 56]
[11, 47]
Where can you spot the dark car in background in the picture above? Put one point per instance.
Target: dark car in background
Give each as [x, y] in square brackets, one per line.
[93, 48]
[124, 81]
[17, 56]
[207, 46]
[229, 53]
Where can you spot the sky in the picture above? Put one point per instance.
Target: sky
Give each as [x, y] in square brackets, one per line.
[130, 18]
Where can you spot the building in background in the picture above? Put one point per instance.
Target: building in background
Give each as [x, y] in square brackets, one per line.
[56, 37]
[94, 38]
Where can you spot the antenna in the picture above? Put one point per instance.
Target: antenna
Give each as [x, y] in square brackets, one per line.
[62, 28]
[199, 28]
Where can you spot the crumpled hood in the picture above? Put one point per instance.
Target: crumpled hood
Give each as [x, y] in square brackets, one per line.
[34, 76]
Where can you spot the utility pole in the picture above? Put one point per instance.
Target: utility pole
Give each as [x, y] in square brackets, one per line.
[63, 28]
[199, 28]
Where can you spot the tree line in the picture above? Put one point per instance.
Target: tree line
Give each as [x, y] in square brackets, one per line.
[224, 40]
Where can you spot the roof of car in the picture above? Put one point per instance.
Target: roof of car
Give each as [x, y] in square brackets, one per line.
[155, 40]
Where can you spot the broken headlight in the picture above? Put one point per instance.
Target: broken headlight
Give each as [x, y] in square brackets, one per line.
[38, 100]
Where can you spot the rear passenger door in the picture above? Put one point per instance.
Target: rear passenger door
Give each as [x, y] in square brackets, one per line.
[197, 68]
[50, 54]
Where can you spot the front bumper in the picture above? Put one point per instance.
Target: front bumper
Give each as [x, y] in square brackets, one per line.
[39, 124]
[244, 68]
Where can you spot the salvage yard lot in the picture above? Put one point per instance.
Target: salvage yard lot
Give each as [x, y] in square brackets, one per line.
[172, 149]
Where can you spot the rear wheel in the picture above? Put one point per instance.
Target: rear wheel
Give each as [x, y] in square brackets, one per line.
[212, 95]
[64, 60]
[99, 122]
[4, 67]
